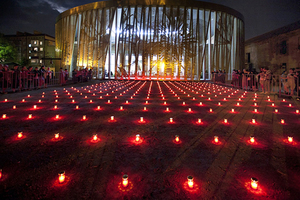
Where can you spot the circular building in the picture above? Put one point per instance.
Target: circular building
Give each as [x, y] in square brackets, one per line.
[151, 39]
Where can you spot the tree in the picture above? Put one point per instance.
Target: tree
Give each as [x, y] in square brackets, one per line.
[7, 51]
[24, 61]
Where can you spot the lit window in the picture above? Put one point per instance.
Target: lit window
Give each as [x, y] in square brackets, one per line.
[35, 49]
[41, 61]
[29, 51]
[41, 43]
[41, 49]
[29, 45]
[29, 57]
[34, 42]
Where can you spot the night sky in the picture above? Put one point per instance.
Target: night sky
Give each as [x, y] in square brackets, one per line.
[261, 16]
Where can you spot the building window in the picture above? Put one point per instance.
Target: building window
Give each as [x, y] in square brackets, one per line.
[283, 47]
[41, 49]
[36, 49]
[29, 51]
[29, 45]
[41, 43]
[34, 42]
[41, 61]
[34, 60]
[29, 57]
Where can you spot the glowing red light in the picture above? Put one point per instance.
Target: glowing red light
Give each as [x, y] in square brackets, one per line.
[216, 139]
[290, 139]
[56, 135]
[20, 135]
[177, 138]
[137, 138]
[252, 139]
[282, 121]
[125, 180]
[30, 116]
[84, 117]
[61, 177]
[190, 181]
[254, 183]
[4, 116]
[14, 107]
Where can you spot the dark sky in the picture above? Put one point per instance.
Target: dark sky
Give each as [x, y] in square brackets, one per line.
[260, 16]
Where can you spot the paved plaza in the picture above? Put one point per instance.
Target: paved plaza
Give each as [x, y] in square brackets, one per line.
[98, 124]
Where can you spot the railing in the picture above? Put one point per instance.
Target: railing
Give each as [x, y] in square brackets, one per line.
[282, 85]
[28, 80]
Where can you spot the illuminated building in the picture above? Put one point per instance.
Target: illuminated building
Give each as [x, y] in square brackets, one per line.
[151, 39]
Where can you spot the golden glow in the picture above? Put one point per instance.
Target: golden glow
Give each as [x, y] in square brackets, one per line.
[254, 183]
[61, 177]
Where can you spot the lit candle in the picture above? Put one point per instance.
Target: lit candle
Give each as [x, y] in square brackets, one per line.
[200, 103]
[171, 120]
[165, 103]
[56, 135]
[98, 107]
[112, 118]
[84, 117]
[4, 116]
[290, 139]
[190, 110]
[121, 107]
[210, 110]
[77, 107]
[254, 183]
[219, 103]
[282, 121]
[125, 180]
[269, 99]
[183, 103]
[232, 110]
[56, 100]
[40, 101]
[95, 137]
[190, 181]
[145, 108]
[252, 140]
[56, 96]
[273, 104]
[5, 100]
[283, 100]
[146, 102]
[255, 110]
[240, 99]
[126, 102]
[177, 138]
[238, 104]
[0, 173]
[167, 109]
[141, 119]
[91, 101]
[208, 98]
[199, 121]
[28, 95]
[23, 100]
[216, 139]
[55, 107]
[255, 104]
[297, 111]
[20, 134]
[108, 101]
[57, 116]
[61, 177]
[253, 121]
[34, 106]
[85, 97]
[137, 138]
[276, 110]
[30, 116]
[14, 107]
[290, 105]
[225, 121]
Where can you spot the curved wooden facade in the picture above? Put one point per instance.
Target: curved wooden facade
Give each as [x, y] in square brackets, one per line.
[144, 39]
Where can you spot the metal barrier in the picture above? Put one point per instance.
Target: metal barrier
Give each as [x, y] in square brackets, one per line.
[11, 81]
[281, 84]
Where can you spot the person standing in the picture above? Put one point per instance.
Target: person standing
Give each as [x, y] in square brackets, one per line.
[268, 75]
[291, 80]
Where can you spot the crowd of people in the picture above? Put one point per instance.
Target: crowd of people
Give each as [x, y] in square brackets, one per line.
[27, 78]
[263, 81]
[21, 78]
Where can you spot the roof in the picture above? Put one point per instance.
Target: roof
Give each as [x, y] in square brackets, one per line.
[276, 32]
[126, 3]
[22, 34]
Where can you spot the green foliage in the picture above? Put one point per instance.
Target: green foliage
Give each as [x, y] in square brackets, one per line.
[7, 51]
